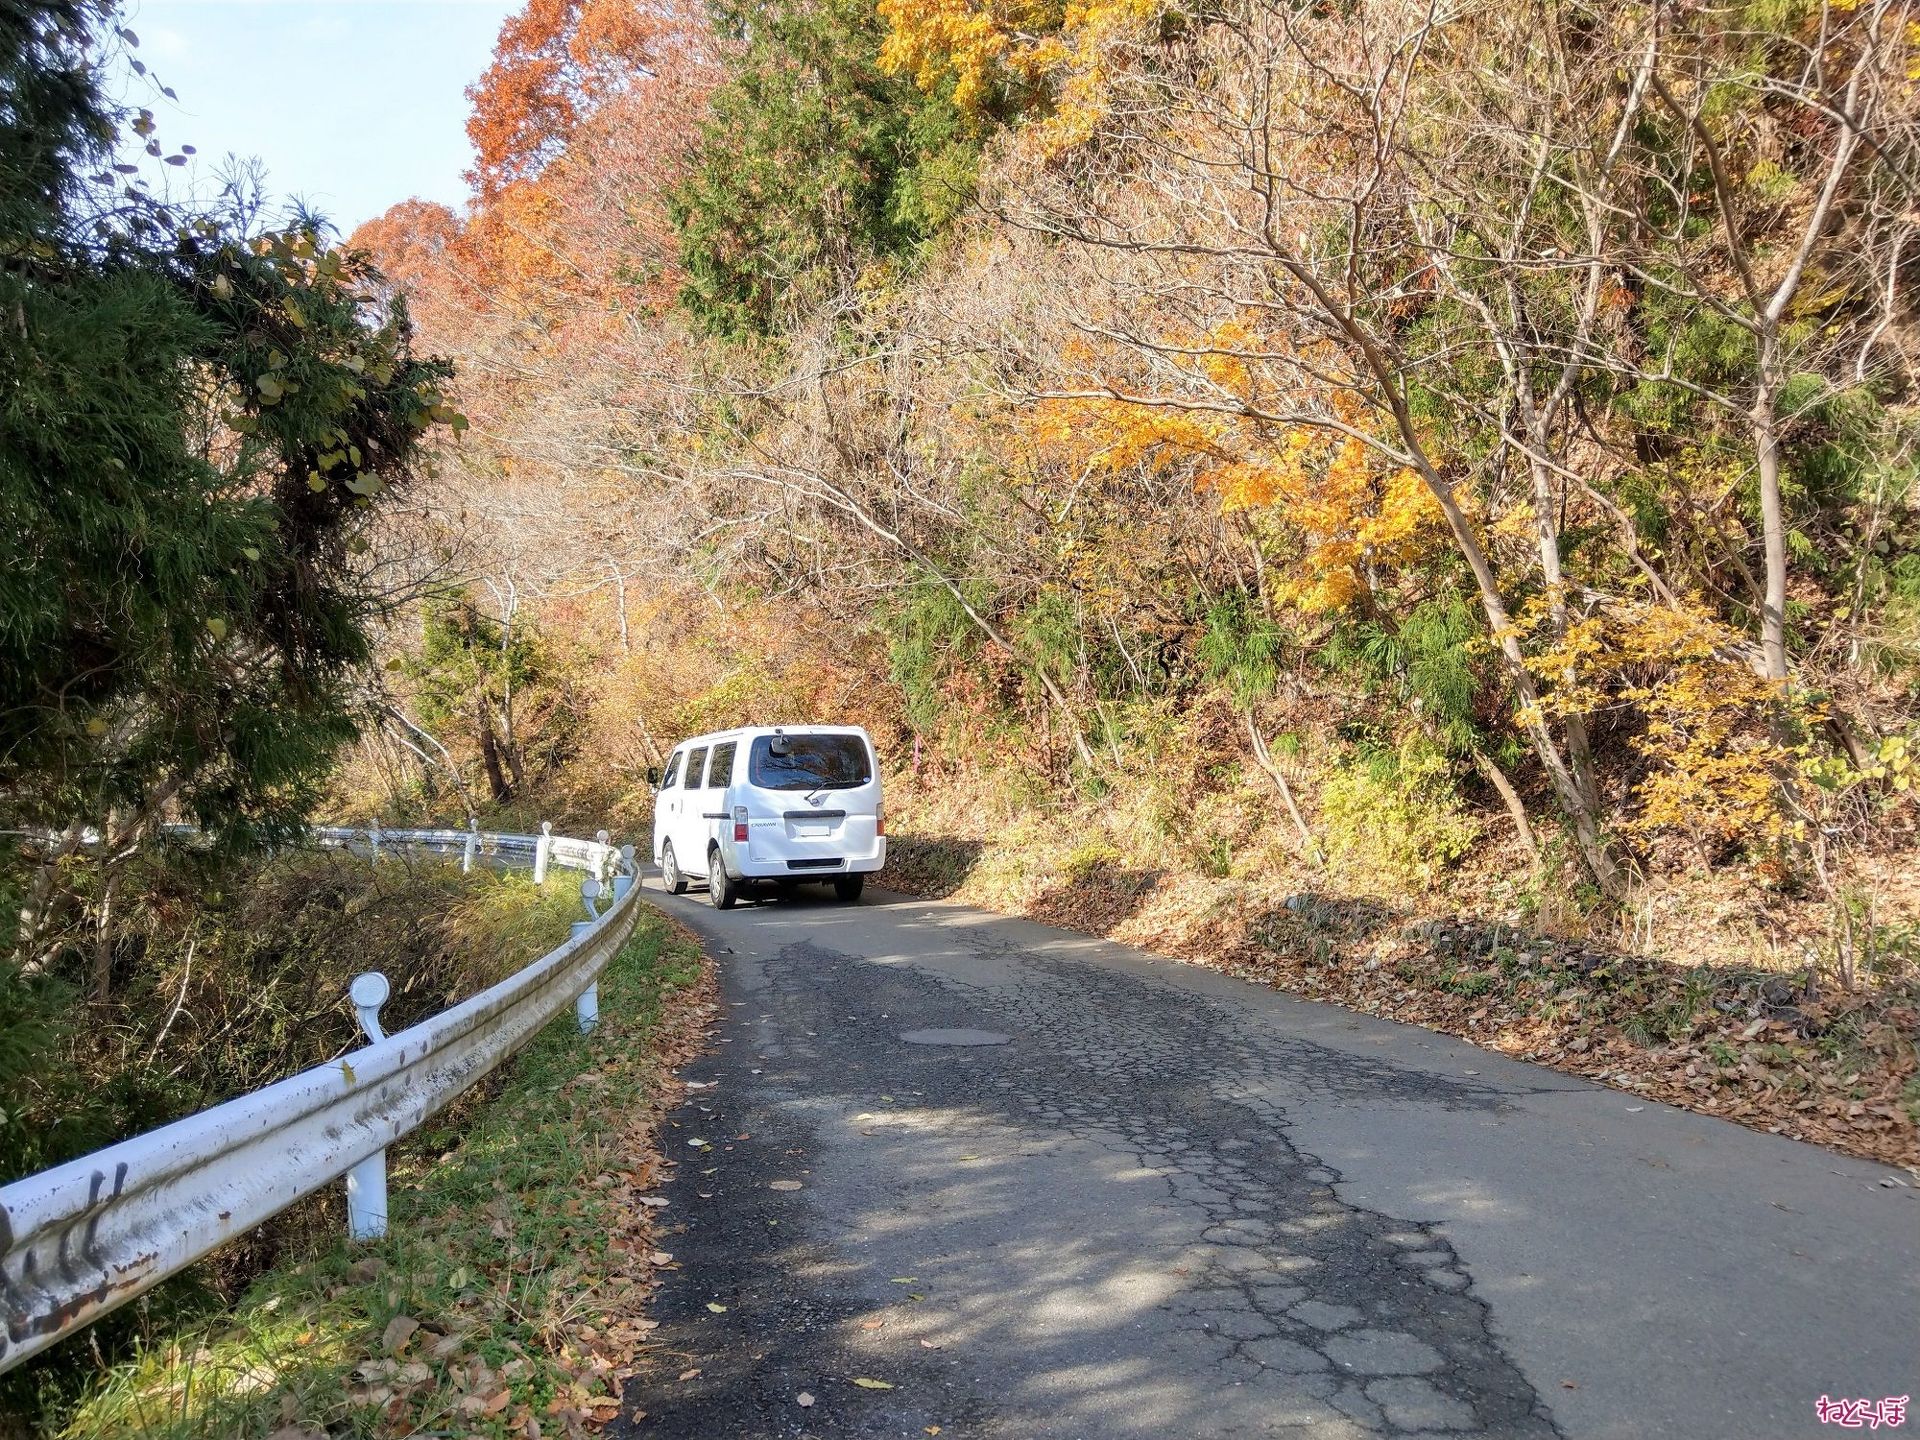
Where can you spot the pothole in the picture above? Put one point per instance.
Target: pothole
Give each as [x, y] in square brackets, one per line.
[955, 1037]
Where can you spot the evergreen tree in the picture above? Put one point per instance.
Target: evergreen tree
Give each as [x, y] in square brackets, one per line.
[198, 418]
[813, 162]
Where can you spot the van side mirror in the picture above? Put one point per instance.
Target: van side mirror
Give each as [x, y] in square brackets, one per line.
[653, 776]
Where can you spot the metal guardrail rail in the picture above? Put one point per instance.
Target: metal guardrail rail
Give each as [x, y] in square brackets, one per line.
[84, 1237]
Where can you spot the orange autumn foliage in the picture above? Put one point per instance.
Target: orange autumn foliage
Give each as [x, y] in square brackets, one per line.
[554, 62]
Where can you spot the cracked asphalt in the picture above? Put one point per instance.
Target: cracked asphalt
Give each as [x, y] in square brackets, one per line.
[1173, 1204]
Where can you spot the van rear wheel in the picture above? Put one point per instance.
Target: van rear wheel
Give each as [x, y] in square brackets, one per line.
[848, 887]
[721, 889]
[670, 875]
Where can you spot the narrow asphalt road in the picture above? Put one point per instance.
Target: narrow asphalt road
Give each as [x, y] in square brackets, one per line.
[1145, 1200]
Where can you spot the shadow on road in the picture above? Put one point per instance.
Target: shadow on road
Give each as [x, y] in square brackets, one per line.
[1097, 1228]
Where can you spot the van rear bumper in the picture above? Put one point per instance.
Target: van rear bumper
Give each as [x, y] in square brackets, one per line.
[812, 867]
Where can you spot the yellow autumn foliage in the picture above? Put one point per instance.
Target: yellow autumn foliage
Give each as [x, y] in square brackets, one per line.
[1342, 518]
[1728, 749]
[989, 47]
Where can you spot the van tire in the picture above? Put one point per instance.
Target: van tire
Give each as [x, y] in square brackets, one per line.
[670, 876]
[848, 887]
[721, 889]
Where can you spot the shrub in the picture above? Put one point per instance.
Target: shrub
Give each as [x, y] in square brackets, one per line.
[1397, 812]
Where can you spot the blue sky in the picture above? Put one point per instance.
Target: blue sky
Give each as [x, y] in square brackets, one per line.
[352, 104]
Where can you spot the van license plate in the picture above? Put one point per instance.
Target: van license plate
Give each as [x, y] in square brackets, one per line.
[810, 830]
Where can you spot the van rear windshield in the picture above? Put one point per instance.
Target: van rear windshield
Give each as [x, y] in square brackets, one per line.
[809, 762]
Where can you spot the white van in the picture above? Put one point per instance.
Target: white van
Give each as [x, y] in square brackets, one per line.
[787, 803]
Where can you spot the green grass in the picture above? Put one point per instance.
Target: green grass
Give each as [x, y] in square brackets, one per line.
[507, 1247]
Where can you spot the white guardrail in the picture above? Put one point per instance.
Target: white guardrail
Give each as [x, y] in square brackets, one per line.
[82, 1238]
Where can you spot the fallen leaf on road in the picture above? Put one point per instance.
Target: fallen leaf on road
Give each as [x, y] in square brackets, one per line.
[871, 1324]
[903, 1280]
[865, 1384]
[1569, 1385]
[933, 1429]
[661, 1257]
[689, 1374]
[716, 1308]
[929, 1345]
[652, 1202]
[912, 1296]
[783, 1185]
[803, 1399]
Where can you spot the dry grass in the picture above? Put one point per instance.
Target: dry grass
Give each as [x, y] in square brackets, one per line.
[507, 1298]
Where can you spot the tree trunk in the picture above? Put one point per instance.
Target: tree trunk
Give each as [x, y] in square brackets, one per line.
[1497, 778]
[516, 762]
[1387, 371]
[1547, 538]
[1309, 846]
[445, 762]
[102, 978]
[1773, 526]
[620, 607]
[490, 752]
[36, 910]
[1581, 810]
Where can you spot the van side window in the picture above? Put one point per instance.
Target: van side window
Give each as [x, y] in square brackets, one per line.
[720, 773]
[673, 770]
[696, 762]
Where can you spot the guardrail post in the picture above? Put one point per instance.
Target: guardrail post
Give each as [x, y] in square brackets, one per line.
[367, 1181]
[374, 836]
[541, 851]
[473, 843]
[586, 1009]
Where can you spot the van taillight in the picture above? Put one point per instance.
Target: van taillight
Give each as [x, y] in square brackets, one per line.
[740, 824]
[879, 818]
